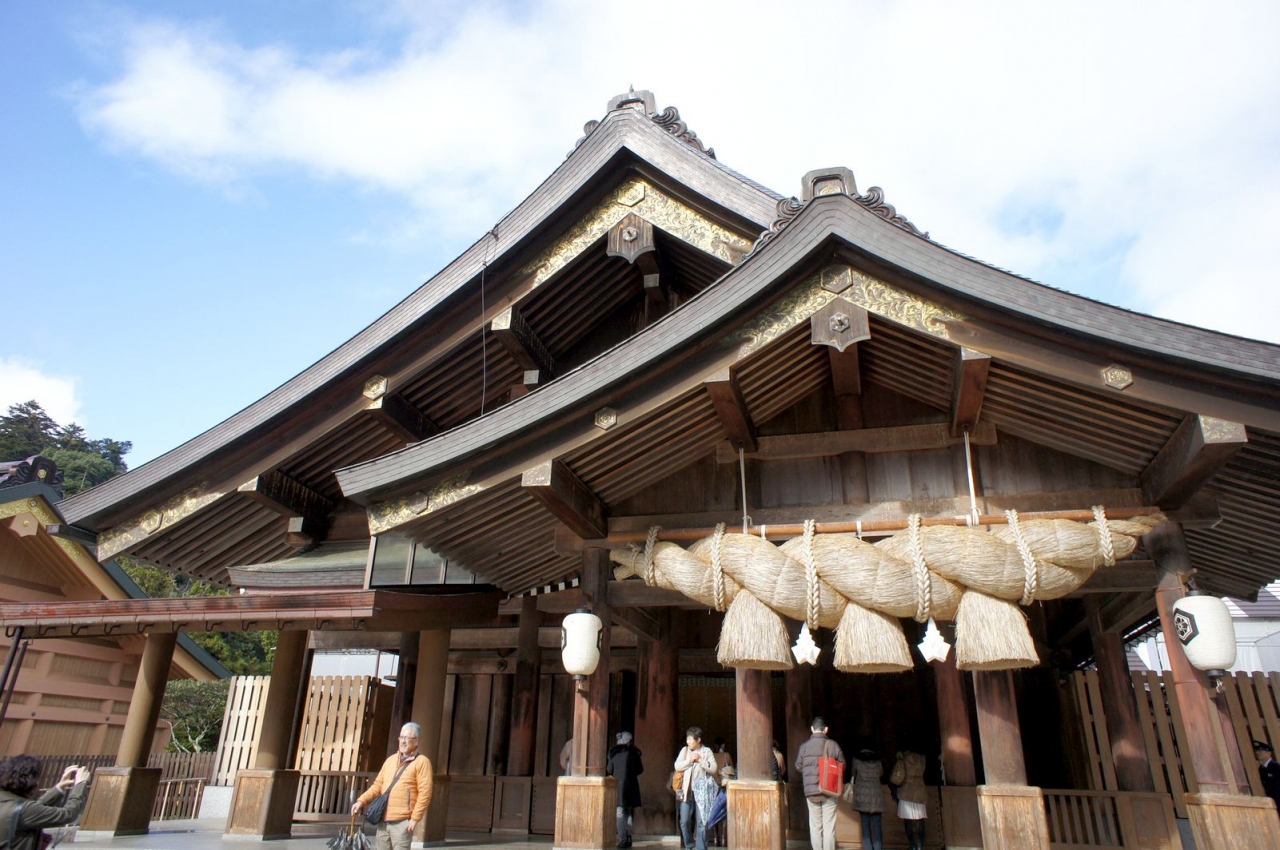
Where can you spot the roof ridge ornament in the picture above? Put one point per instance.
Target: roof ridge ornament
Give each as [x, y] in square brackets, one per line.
[834, 181]
[668, 119]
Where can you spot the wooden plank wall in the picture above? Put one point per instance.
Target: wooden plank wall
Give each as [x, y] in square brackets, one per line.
[338, 709]
[238, 744]
[1253, 700]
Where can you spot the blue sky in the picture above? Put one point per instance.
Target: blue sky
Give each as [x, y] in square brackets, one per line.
[201, 199]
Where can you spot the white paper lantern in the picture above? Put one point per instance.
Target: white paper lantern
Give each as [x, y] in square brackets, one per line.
[580, 643]
[1203, 626]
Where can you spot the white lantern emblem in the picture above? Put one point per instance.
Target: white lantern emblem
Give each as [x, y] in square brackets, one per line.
[580, 643]
[1203, 626]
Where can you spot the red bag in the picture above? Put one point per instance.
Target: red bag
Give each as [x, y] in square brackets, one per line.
[830, 774]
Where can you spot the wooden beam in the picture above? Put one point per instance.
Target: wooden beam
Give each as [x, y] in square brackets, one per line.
[1124, 577]
[632, 240]
[840, 324]
[401, 418]
[307, 510]
[903, 438]
[1200, 447]
[569, 500]
[732, 411]
[638, 620]
[512, 330]
[970, 387]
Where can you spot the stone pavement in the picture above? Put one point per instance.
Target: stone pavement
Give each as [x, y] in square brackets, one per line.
[206, 834]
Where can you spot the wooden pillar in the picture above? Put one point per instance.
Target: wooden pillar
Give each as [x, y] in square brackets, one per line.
[428, 712]
[1012, 813]
[961, 825]
[1221, 817]
[288, 678]
[755, 801]
[953, 718]
[657, 663]
[121, 798]
[264, 797]
[524, 705]
[1128, 749]
[402, 700]
[148, 694]
[585, 801]
[799, 708]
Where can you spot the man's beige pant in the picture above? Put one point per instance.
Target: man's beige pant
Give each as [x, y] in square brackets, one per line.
[396, 836]
[822, 822]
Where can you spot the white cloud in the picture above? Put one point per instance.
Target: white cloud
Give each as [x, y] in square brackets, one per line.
[22, 381]
[1051, 140]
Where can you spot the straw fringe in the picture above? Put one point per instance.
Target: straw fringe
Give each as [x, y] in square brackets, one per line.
[870, 642]
[753, 637]
[991, 634]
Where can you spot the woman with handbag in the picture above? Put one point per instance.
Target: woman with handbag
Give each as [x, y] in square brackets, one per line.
[908, 781]
[698, 789]
[867, 797]
[23, 815]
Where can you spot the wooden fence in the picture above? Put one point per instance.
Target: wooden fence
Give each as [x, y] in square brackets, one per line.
[178, 799]
[337, 732]
[1251, 699]
[175, 765]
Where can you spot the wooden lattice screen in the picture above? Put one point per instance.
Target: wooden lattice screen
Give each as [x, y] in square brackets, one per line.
[238, 744]
[1253, 700]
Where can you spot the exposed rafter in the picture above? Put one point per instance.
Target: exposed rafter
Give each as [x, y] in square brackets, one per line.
[970, 388]
[306, 510]
[512, 330]
[903, 438]
[569, 500]
[732, 411]
[1197, 450]
[401, 418]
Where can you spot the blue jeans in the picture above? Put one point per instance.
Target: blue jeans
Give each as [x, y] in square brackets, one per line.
[872, 833]
[687, 815]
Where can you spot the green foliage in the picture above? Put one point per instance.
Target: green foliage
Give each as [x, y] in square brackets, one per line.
[243, 653]
[195, 709]
[27, 430]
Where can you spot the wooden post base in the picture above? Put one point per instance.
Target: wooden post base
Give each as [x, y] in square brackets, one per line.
[757, 816]
[586, 813]
[262, 805]
[431, 831]
[1221, 821]
[1013, 817]
[120, 802]
[961, 823]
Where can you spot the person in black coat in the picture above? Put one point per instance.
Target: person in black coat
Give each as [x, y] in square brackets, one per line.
[24, 813]
[626, 766]
[1269, 770]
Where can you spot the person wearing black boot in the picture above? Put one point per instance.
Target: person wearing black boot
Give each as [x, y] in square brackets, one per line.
[908, 781]
[626, 766]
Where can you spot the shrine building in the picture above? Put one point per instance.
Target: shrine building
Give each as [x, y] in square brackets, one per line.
[798, 458]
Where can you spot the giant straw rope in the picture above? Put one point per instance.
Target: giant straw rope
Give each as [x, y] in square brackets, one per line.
[839, 581]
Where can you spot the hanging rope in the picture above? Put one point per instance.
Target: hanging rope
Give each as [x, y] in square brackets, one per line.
[742, 476]
[812, 597]
[1030, 574]
[1104, 536]
[968, 465]
[717, 568]
[649, 543]
[924, 588]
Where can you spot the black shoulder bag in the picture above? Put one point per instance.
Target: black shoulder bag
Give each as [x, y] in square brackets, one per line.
[376, 811]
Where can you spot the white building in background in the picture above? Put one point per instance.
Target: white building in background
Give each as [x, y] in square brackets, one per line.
[356, 662]
[1257, 627]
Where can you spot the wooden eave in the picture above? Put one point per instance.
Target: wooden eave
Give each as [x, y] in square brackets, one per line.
[376, 610]
[838, 218]
[253, 439]
[1040, 389]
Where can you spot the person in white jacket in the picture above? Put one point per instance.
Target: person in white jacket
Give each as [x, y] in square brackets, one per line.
[699, 788]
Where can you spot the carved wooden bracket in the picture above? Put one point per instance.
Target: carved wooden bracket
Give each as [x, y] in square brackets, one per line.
[839, 324]
[569, 500]
[1199, 447]
[731, 409]
[307, 511]
[518, 338]
[970, 388]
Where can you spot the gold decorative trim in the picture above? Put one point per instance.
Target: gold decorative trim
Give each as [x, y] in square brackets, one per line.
[875, 296]
[1222, 430]
[130, 533]
[391, 515]
[29, 506]
[639, 197]
[1117, 377]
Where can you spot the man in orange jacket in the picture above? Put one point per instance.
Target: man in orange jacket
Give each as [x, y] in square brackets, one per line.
[407, 804]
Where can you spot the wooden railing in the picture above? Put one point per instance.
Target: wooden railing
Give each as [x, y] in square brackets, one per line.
[1086, 820]
[328, 794]
[174, 765]
[178, 799]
